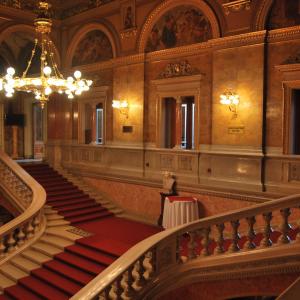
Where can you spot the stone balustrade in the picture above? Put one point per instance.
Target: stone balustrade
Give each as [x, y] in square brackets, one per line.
[29, 198]
[243, 239]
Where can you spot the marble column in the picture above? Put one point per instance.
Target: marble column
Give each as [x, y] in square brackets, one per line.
[178, 125]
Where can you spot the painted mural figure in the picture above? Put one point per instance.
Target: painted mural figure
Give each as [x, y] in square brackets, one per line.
[182, 25]
[94, 47]
[128, 21]
[169, 32]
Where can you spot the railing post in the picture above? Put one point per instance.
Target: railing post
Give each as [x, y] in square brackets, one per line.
[266, 242]
[251, 233]
[220, 239]
[285, 226]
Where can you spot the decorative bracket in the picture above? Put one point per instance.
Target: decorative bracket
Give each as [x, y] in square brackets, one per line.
[236, 5]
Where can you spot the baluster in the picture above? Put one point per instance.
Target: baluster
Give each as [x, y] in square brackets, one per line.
[235, 236]
[36, 223]
[251, 233]
[152, 263]
[206, 241]
[141, 281]
[179, 248]
[129, 291]
[29, 230]
[118, 291]
[20, 237]
[285, 226]
[192, 246]
[105, 294]
[2, 247]
[11, 242]
[266, 242]
[220, 241]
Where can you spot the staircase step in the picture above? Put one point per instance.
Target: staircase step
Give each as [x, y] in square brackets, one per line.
[21, 293]
[70, 272]
[60, 187]
[80, 205]
[5, 282]
[71, 191]
[35, 256]
[55, 223]
[46, 248]
[57, 204]
[63, 233]
[106, 245]
[12, 272]
[79, 262]
[57, 281]
[50, 198]
[59, 182]
[53, 217]
[92, 254]
[24, 264]
[83, 211]
[89, 217]
[6, 297]
[56, 241]
[42, 289]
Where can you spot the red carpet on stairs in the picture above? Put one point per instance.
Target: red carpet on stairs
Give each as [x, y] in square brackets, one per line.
[70, 270]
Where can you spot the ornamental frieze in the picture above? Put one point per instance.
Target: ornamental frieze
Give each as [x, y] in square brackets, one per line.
[236, 6]
[182, 68]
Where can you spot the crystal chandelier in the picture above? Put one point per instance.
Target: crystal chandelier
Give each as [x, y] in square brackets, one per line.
[50, 79]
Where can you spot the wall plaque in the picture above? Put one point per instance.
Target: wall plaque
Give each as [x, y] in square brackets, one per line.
[236, 130]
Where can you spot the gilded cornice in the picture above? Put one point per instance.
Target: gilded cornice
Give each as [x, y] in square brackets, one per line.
[112, 63]
[240, 40]
[194, 49]
[284, 34]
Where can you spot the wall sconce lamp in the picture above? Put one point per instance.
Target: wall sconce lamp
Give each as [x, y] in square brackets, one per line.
[231, 99]
[122, 106]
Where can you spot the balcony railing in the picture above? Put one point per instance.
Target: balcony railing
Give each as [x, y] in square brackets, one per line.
[28, 197]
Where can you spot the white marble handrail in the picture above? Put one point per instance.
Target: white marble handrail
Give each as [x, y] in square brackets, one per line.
[142, 265]
[29, 197]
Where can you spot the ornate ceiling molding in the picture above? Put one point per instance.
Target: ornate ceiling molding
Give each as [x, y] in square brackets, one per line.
[261, 16]
[236, 6]
[284, 34]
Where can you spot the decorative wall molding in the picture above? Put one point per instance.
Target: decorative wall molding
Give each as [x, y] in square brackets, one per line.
[284, 34]
[182, 68]
[236, 6]
[260, 19]
[129, 33]
[239, 40]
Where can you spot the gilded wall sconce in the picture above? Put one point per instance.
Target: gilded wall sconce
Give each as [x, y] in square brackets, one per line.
[122, 106]
[231, 99]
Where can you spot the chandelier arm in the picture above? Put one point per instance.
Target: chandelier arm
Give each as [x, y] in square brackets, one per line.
[52, 61]
[30, 60]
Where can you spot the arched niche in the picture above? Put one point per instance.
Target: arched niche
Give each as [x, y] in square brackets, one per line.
[26, 31]
[261, 17]
[82, 34]
[169, 5]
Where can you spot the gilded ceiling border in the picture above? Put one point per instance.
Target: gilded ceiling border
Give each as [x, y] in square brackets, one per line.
[169, 4]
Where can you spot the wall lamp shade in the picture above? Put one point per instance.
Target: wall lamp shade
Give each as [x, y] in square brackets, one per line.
[231, 99]
[122, 106]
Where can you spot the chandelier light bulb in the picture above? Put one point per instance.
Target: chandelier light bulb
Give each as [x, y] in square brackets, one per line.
[48, 91]
[70, 79]
[77, 74]
[47, 71]
[11, 71]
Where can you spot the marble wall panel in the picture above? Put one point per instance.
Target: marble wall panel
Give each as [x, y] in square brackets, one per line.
[239, 69]
[129, 85]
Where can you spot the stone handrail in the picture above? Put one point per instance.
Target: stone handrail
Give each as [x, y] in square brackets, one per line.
[29, 197]
[140, 269]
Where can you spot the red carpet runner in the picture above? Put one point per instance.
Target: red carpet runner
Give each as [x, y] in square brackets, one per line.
[69, 271]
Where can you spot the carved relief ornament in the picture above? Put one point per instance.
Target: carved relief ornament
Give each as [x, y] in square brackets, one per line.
[235, 6]
[182, 68]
